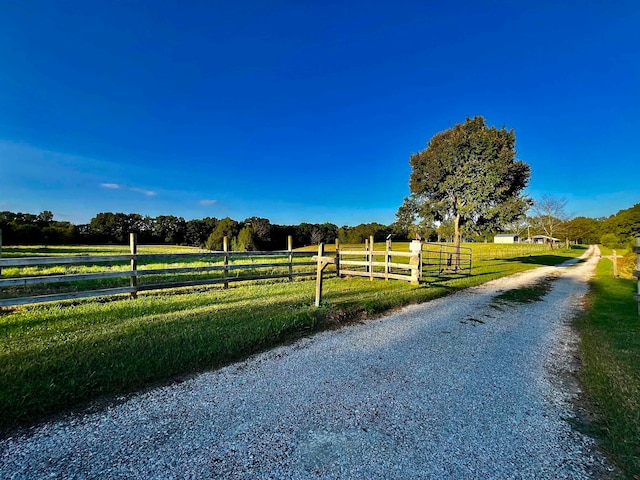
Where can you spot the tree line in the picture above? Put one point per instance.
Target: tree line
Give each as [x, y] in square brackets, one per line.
[256, 233]
[250, 234]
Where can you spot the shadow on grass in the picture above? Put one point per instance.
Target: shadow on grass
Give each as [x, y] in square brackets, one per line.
[542, 260]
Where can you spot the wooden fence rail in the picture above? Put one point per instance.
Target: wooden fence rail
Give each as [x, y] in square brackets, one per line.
[428, 259]
[372, 263]
[290, 260]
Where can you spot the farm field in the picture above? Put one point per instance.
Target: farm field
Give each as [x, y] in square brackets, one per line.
[55, 357]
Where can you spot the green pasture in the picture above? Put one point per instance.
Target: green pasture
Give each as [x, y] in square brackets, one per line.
[55, 357]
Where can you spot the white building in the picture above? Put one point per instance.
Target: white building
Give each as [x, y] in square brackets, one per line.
[505, 238]
[545, 239]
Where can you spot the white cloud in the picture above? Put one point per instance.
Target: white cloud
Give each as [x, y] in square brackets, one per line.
[116, 186]
[208, 202]
[149, 193]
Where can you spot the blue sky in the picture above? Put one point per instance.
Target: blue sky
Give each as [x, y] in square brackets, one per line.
[306, 110]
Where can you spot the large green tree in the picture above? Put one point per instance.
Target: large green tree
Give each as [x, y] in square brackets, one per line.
[227, 227]
[625, 224]
[469, 175]
[584, 229]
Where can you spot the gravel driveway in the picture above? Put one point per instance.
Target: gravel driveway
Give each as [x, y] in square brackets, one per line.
[462, 387]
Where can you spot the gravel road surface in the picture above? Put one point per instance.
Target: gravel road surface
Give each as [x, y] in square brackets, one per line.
[464, 387]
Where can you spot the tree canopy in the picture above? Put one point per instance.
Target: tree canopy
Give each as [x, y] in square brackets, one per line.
[469, 175]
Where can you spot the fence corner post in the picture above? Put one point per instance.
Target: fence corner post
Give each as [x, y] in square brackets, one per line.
[290, 250]
[133, 245]
[637, 272]
[320, 268]
[0, 249]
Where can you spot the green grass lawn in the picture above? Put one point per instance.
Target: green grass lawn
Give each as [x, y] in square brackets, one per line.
[54, 357]
[610, 349]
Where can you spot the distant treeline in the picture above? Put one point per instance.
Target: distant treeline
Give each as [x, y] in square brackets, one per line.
[256, 233]
[252, 233]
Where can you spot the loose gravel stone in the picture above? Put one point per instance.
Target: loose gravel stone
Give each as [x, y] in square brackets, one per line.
[460, 387]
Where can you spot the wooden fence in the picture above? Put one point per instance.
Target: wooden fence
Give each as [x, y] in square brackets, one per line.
[432, 260]
[290, 260]
[636, 272]
[422, 260]
[372, 263]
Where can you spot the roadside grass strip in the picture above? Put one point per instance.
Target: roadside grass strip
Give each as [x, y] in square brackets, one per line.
[610, 349]
[59, 357]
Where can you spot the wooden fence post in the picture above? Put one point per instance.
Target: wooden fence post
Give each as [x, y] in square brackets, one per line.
[290, 250]
[319, 275]
[371, 250]
[133, 245]
[637, 271]
[225, 249]
[0, 249]
[387, 259]
[415, 261]
[614, 259]
[338, 258]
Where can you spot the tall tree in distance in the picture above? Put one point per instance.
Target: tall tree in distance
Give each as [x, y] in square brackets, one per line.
[227, 227]
[468, 175]
[550, 217]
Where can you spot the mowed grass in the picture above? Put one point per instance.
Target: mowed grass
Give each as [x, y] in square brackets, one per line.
[55, 357]
[610, 349]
